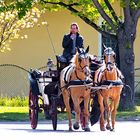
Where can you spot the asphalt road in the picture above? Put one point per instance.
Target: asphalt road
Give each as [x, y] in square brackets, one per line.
[129, 130]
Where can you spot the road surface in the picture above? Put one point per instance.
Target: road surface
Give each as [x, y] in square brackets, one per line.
[125, 130]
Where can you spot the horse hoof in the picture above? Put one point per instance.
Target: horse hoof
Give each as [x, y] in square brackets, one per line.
[103, 129]
[83, 128]
[112, 130]
[108, 127]
[87, 129]
[70, 129]
[76, 125]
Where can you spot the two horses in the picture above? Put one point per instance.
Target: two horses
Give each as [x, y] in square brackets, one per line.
[77, 72]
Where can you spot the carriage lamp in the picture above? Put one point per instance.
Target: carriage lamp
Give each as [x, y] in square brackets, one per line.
[50, 63]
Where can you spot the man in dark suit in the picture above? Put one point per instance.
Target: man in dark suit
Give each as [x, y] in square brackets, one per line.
[72, 41]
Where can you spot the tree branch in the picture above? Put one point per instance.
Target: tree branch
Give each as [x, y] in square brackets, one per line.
[96, 27]
[60, 3]
[114, 15]
[137, 15]
[104, 15]
[126, 10]
[84, 18]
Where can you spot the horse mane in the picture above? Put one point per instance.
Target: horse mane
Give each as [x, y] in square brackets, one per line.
[74, 59]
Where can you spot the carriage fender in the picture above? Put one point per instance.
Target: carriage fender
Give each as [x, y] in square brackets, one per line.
[33, 85]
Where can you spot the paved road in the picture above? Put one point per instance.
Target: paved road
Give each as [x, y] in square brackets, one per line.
[17, 131]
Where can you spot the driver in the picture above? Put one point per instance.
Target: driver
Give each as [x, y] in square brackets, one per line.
[71, 41]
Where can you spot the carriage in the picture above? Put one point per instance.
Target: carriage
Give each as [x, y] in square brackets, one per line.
[45, 92]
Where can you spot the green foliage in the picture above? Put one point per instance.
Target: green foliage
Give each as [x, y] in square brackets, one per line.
[122, 3]
[84, 8]
[11, 25]
[14, 101]
[138, 4]
[132, 4]
[128, 46]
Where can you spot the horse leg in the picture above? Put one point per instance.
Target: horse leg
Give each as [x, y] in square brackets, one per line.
[76, 102]
[82, 117]
[68, 110]
[100, 100]
[86, 111]
[77, 111]
[114, 111]
[106, 102]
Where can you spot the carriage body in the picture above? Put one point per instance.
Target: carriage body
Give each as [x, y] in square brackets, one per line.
[43, 95]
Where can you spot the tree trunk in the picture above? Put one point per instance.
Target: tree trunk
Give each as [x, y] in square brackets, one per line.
[126, 54]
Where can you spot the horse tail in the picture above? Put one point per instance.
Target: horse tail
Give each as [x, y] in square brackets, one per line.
[95, 112]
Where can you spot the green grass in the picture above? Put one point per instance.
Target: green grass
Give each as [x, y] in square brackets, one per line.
[13, 113]
[16, 114]
[16, 109]
[21, 114]
[129, 114]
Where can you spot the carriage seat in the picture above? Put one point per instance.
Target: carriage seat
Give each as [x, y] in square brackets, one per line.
[35, 73]
[94, 66]
[61, 62]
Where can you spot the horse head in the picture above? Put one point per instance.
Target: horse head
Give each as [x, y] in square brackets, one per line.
[109, 57]
[82, 62]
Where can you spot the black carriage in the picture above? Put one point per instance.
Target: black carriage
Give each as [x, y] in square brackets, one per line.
[44, 94]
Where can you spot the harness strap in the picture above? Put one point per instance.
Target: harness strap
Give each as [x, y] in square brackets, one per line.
[66, 75]
[77, 76]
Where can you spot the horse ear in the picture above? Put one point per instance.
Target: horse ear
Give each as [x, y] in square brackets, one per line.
[114, 56]
[104, 46]
[78, 50]
[87, 50]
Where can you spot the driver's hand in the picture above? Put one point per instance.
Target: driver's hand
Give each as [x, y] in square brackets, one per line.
[73, 36]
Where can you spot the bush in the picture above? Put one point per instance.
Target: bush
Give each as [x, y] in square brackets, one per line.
[14, 101]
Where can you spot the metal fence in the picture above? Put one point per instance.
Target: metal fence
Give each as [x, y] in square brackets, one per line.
[14, 80]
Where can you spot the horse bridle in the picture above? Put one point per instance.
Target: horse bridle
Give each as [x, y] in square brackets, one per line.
[82, 55]
[109, 52]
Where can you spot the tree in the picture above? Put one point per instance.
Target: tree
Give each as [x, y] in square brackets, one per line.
[13, 21]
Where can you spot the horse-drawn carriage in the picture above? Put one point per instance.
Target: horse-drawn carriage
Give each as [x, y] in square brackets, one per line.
[76, 81]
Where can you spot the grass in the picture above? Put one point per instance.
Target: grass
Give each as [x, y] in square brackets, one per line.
[129, 115]
[13, 113]
[21, 114]
[16, 109]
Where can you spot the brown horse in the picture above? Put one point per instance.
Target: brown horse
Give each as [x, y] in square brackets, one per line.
[77, 72]
[109, 98]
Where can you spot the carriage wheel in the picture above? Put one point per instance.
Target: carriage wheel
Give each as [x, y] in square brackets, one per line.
[33, 109]
[54, 112]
